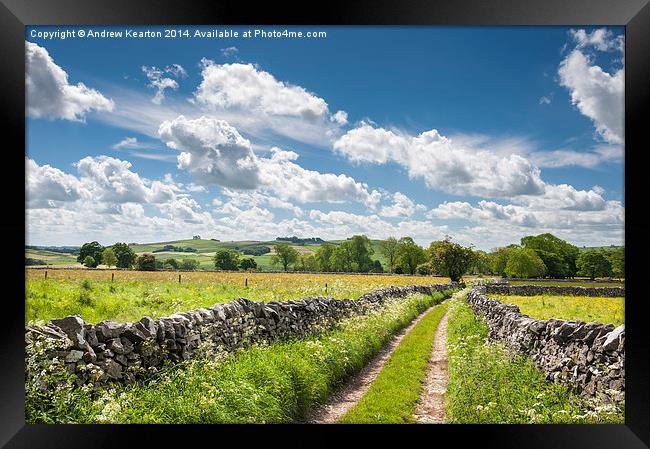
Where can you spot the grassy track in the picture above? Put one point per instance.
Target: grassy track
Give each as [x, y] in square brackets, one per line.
[134, 294]
[278, 383]
[584, 308]
[488, 385]
[393, 396]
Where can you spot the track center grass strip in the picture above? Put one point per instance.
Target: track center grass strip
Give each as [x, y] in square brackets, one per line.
[393, 396]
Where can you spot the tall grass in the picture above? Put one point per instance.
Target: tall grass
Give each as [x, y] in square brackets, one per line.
[393, 396]
[276, 383]
[584, 308]
[487, 384]
[134, 294]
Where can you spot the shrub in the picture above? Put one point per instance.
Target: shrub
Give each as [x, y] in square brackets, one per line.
[146, 262]
[226, 259]
[189, 264]
[89, 262]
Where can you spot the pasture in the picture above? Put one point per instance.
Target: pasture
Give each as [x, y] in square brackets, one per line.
[572, 308]
[133, 294]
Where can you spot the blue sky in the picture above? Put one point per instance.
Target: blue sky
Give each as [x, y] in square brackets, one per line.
[486, 134]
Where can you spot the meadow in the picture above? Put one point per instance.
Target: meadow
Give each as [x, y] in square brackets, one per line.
[571, 283]
[133, 294]
[572, 308]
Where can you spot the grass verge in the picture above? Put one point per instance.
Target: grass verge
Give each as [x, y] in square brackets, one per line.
[487, 384]
[393, 396]
[276, 383]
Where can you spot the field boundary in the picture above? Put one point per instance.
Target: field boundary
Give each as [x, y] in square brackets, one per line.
[125, 352]
[588, 357]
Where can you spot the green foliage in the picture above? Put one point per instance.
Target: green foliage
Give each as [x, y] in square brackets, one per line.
[188, 264]
[388, 248]
[409, 255]
[616, 258]
[92, 249]
[499, 259]
[170, 263]
[276, 383]
[424, 269]
[108, 257]
[226, 259]
[559, 256]
[487, 385]
[450, 259]
[89, 262]
[146, 262]
[594, 263]
[324, 257]
[524, 263]
[125, 255]
[376, 267]
[285, 255]
[248, 263]
[394, 394]
[256, 250]
[481, 263]
[307, 262]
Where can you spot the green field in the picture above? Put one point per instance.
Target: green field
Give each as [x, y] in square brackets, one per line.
[573, 308]
[205, 252]
[572, 283]
[92, 295]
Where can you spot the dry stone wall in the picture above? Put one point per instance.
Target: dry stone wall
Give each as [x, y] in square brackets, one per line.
[123, 352]
[588, 357]
[560, 290]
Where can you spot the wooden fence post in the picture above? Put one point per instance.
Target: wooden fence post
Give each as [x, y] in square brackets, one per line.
[45, 274]
[246, 283]
[179, 278]
[112, 276]
[325, 287]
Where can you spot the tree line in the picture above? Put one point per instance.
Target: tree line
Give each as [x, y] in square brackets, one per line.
[543, 255]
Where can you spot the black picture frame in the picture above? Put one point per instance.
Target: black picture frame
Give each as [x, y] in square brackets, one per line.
[633, 14]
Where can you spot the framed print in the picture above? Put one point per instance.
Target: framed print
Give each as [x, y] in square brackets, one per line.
[365, 214]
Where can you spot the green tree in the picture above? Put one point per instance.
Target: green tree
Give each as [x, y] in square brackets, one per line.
[450, 259]
[92, 249]
[170, 263]
[125, 255]
[226, 259]
[308, 262]
[108, 257]
[343, 257]
[189, 264]
[324, 257]
[559, 256]
[89, 262]
[481, 263]
[248, 263]
[409, 255]
[388, 248]
[285, 255]
[593, 263]
[361, 250]
[499, 259]
[617, 261]
[146, 262]
[377, 267]
[524, 263]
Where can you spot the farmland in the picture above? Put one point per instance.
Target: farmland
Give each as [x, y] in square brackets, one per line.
[583, 308]
[204, 254]
[134, 294]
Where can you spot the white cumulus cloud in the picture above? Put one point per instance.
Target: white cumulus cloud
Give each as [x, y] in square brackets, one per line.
[50, 95]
